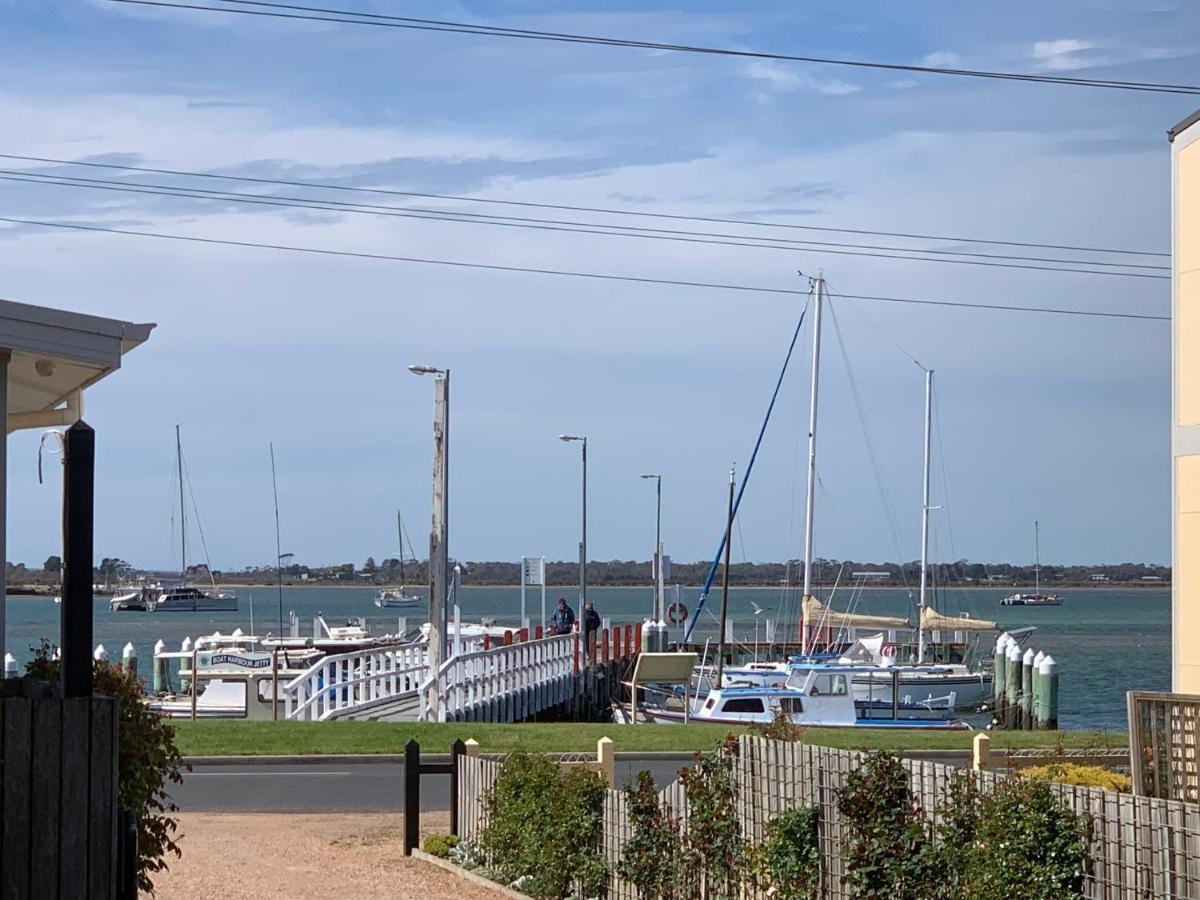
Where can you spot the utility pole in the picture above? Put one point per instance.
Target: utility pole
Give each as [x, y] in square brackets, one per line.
[439, 560]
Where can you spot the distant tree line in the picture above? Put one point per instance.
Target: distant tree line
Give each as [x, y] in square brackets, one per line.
[633, 572]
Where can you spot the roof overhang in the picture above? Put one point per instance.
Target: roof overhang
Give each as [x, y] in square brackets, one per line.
[1176, 130]
[56, 355]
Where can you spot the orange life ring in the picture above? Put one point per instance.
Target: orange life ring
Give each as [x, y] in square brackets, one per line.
[677, 613]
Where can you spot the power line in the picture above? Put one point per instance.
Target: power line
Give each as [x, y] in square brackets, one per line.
[350, 17]
[566, 273]
[586, 209]
[752, 241]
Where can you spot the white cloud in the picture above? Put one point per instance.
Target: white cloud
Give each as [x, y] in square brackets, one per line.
[942, 59]
[779, 77]
[1063, 54]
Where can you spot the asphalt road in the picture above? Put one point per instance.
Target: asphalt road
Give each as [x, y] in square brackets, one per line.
[337, 787]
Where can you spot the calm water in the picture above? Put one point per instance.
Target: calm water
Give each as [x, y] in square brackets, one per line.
[1106, 642]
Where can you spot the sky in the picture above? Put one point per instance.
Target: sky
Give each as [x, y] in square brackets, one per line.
[1059, 419]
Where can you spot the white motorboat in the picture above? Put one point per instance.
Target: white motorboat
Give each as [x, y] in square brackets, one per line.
[816, 696]
[138, 600]
[187, 598]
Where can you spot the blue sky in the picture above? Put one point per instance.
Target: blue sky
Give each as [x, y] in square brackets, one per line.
[1060, 419]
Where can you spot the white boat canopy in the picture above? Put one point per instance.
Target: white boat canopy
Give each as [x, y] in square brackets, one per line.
[818, 615]
[931, 619]
[47, 358]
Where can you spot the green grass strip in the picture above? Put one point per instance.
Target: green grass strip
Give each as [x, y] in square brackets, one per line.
[239, 738]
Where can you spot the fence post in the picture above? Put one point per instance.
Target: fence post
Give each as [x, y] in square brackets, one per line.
[412, 796]
[127, 856]
[471, 748]
[457, 749]
[606, 758]
[79, 454]
[981, 753]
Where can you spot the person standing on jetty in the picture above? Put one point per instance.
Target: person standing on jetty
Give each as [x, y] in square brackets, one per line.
[591, 625]
[564, 618]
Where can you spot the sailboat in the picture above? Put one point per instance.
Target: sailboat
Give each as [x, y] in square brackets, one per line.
[181, 597]
[1037, 598]
[390, 598]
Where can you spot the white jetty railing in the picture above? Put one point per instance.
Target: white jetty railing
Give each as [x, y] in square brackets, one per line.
[347, 681]
[511, 680]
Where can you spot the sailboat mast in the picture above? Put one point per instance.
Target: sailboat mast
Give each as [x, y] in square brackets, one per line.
[1037, 559]
[278, 545]
[925, 518]
[725, 586]
[400, 537]
[182, 510]
[818, 287]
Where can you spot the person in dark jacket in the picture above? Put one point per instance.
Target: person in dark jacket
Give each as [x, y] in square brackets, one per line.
[591, 628]
[563, 619]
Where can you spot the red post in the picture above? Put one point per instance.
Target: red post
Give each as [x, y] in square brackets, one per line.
[576, 652]
[487, 642]
[637, 638]
[524, 635]
[537, 632]
[507, 637]
[604, 644]
[628, 641]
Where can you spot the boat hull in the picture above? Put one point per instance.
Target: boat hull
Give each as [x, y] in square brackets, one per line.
[660, 716]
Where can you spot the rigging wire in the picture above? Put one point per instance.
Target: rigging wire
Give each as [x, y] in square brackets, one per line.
[566, 273]
[868, 438]
[351, 17]
[959, 239]
[199, 523]
[667, 234]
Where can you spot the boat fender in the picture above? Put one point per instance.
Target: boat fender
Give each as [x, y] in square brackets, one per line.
[677, 613]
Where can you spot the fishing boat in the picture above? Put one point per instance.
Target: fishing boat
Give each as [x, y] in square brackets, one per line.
[815, 696]
[1037, 598]
[393, 598]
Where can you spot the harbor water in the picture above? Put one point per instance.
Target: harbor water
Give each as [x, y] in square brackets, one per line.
[1106, 642]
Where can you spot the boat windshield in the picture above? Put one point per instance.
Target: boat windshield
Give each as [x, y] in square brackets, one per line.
[819, 683]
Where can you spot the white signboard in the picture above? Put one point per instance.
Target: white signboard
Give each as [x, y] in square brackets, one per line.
[233, 662]
[534, 570]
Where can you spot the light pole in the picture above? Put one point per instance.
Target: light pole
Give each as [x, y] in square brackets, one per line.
[583, 539]
[280, 560]
[439, 534]
[658, 580]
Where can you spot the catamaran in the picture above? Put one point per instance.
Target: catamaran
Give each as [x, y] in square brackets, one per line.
[1037, 598]
[391, 598]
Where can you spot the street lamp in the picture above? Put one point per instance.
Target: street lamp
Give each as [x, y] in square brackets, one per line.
[280, 560]
[439, 535]
[583, 542]
[657, 549]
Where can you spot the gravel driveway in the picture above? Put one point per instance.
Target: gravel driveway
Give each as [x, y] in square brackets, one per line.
[255, 855]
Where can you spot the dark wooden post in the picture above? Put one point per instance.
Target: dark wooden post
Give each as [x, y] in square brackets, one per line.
[457, 750]
[79, 458]
[412, 796]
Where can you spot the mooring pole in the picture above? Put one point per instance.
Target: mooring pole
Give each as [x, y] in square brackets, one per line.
[79, 468]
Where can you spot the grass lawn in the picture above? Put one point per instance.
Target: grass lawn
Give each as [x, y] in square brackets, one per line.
[215, 737]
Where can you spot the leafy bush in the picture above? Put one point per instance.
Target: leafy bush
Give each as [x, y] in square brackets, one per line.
[1027, 844]
[1084, 776]
[888, 851]
[714, 833]
[789, 861]
[656, 859]
[544, 827]
[147, 759]
[440, 845]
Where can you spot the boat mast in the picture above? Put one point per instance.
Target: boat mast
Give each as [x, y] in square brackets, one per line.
[925, 520]
[1037, 559]
[400, 531]
[818, 289]
[725, 585]
[278, 545]
[182, 511]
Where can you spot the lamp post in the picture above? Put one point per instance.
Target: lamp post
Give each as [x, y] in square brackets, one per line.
[439, 534]
[280, 559]
[583, 532]
[658, 573]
